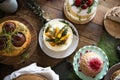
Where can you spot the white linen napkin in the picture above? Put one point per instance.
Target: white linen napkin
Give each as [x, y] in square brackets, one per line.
[31, 69]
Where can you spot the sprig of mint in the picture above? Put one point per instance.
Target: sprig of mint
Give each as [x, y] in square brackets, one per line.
[25, 55]
[65, 22]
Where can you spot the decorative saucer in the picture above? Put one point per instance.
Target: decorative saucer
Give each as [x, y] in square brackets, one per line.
[61, 54]
[82, 51]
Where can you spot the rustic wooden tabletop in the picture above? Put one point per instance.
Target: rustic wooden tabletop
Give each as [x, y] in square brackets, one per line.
[89, 33]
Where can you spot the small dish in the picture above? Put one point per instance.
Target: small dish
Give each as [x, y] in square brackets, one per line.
[111, 71]
[82, 51]
[61, 54]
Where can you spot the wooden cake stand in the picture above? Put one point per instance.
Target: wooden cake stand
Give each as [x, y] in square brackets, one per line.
[27, 54]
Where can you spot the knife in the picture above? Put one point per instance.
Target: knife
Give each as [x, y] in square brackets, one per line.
[114, 18]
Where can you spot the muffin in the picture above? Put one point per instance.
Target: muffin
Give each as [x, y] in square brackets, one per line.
[80, 11]
[115, 75]
[30, 77]
[15, 38]
[91, 64]
[57, 35]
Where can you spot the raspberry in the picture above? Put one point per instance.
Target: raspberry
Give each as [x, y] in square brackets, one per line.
[77, 3]
[95, 64]
[84, 6]
[89, 3]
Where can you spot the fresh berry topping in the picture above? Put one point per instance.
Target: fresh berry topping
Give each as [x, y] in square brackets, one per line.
[84, 6]
[77, 3]
[95, 64]
[89, 3]
[9, 27]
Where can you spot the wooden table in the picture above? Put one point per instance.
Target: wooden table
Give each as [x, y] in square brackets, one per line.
[89, 33]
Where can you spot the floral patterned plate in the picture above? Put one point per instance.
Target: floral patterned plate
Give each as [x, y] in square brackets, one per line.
[81, 52]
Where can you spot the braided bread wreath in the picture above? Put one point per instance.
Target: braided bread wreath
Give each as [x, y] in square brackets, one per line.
[14, 38]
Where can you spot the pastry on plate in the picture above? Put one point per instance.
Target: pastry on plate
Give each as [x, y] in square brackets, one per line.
[80, 11]
[91, 64]
[115, 75]
[15, 38]
[30, 77]
[57, 35]
[112, 21]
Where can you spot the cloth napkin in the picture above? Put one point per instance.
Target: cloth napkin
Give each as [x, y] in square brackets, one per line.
[32, 69]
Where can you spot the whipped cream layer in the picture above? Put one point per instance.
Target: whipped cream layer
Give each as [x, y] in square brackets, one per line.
[78, 14]
[56, 23]
[83, 12]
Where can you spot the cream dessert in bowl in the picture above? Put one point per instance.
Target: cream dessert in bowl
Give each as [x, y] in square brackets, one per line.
[57, 35]
[91, 64]
[80, 11]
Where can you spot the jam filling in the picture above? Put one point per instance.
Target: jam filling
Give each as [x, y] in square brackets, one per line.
[95, 64]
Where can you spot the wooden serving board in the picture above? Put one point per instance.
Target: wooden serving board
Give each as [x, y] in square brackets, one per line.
[112, 27]
[27, 54]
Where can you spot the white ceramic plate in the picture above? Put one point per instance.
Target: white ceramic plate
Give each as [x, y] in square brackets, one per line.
[61, 54]
[82, 51]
